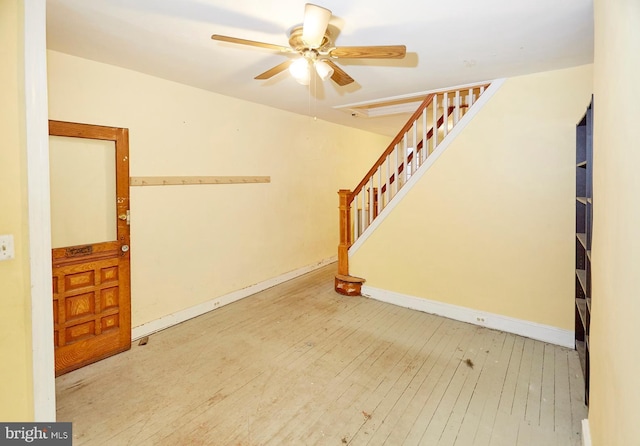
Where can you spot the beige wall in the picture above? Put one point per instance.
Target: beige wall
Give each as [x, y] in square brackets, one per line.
[491, 225]
[16, 379]
[615, 355]
[190, 244]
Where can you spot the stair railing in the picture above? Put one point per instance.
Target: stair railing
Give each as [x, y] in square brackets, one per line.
[438, 113]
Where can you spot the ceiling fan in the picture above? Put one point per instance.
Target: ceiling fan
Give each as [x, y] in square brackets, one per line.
[313, 42]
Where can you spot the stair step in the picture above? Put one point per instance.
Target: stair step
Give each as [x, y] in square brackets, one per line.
[348, 285]
[350, 278]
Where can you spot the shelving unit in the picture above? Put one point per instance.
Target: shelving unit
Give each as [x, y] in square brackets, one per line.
[584, 227]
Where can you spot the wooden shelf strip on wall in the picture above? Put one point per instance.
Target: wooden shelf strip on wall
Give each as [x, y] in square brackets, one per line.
[179, 181]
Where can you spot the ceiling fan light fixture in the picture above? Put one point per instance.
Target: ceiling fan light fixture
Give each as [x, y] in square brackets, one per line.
[316, 20]
[300, 71]
[324, 70]
[314, 43]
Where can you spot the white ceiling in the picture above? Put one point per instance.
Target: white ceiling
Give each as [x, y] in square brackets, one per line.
[448, 43]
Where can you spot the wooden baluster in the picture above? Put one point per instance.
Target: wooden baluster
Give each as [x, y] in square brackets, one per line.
[380, 188]
[470, 99]
[369, 207]
[371, 200]
[345, 232]
[375, 202]
[388, 179]
[363, 211]
[367, 203]
[456, 110]
[434, 133]
[445, 114]
[405, 154]
[398, 165]
[425, 143]
[353, 212]
[358, 219]
[414, 159]
[354, 217]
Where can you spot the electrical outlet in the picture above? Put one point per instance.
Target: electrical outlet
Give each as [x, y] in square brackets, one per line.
[6, 247]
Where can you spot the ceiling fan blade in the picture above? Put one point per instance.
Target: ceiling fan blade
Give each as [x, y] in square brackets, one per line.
[275, 70]
[339, 76]
[370, 52]
[282, 49]
[316, 20]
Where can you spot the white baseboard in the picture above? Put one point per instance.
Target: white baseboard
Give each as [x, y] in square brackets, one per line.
[533, 330]
[586, 433]
[197, 310]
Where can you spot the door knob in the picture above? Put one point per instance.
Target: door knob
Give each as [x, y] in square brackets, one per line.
[125, 217]
[124, 248]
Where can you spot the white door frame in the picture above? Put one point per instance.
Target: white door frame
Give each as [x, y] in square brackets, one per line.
[37, 142]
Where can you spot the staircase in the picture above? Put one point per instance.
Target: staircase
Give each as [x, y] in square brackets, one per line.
[413, 148]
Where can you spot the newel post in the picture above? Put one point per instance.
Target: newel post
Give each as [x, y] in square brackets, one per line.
[345, 232]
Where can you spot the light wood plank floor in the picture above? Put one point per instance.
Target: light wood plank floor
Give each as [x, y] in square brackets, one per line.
[301, 365]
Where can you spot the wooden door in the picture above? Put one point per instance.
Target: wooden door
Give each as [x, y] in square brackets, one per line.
[90, 210]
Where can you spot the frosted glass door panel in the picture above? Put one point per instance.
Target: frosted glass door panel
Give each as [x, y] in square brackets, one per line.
[83, 191]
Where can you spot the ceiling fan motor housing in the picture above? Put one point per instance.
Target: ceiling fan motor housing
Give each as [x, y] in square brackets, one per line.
[296, 42]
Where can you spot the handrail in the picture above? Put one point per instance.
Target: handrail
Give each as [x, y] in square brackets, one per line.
[392, 145]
